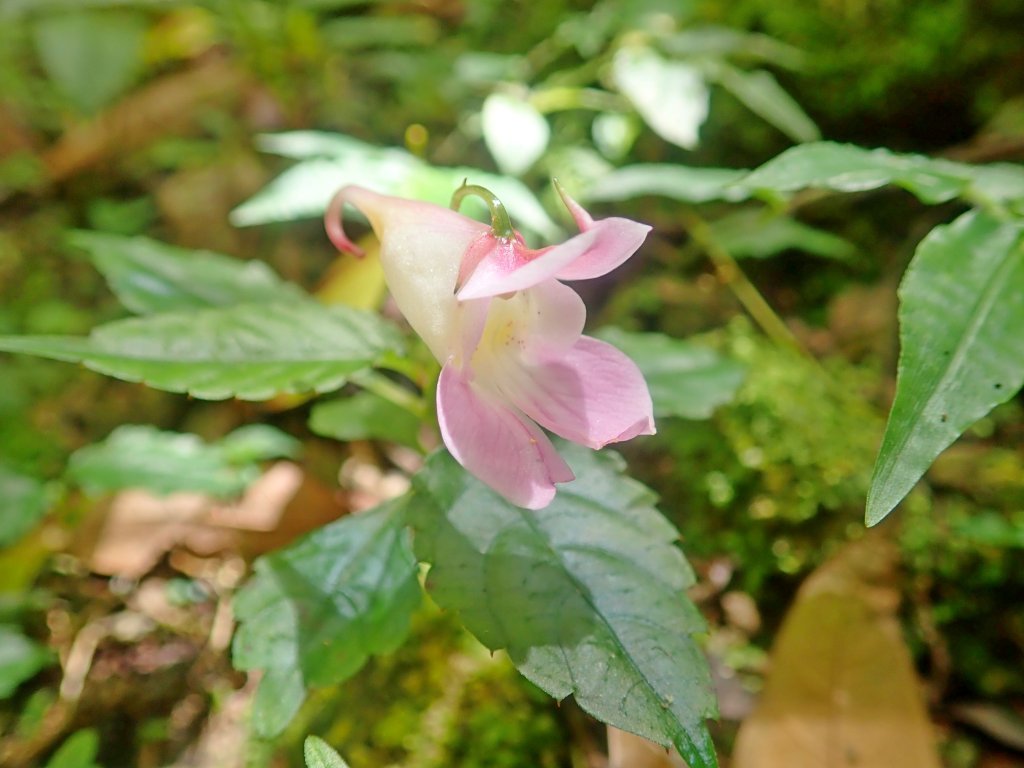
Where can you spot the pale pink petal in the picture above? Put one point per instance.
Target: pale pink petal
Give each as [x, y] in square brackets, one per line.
[496, 444]
[542, 322]
[617, 239]
[510, 266]
[601, 248]
[620, 239]
[593, 395]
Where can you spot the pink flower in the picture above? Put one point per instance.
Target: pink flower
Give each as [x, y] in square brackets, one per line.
[508, 334]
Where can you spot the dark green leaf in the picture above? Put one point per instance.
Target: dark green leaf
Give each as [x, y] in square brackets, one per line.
[760, 92]
[92, 57]
[20, 659]
[151, 277]
[587, 595]
[685, 379]
[751, 233]
[712, 41]
[249, 351]
[365, 416]
[962, 352]
[318, 754]
[315, 612]
[678, 182]
[136, 456]
[23, 500]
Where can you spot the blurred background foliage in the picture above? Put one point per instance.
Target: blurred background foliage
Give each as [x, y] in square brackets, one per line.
[134, 117]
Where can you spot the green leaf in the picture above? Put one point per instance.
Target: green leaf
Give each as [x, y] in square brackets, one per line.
[685, 379]
[670, 96]
[761, 93]
[846, 168]
[515, 133]
[758, 234]
[258, 442]
[330, 161]
[318, 754]
[150, 277]
[79, 750]
[587, 595]
[717, 42]
[365, 416]
[678, 182]
[248, 351]
[92, 57]
[20, 659]
[962, 352]
[23, 501]
[139, 456]
[314, 612]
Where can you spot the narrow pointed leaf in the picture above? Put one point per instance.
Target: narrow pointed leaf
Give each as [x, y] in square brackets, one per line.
[151, 277]
[962, 350]
[848, 168]
[316, 611]
[587, 595]
[249, 351]
[760, 92]
[685, 379]
[677, 182]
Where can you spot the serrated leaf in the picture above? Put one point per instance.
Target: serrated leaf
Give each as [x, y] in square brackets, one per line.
[760, 92]
[515, 133]
[962, 352]
[586, 595]
[23, 501]
[685, 379]
[139, 456]
[330, 161]
[318, 754]
[364, 416]
[314, 612]
[20, 659]
[670, 96]
[678, 182]
[150, 277]
[248, 351]
[92, 57]
[757, 234]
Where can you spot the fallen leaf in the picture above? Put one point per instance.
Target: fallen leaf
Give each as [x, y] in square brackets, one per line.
[842, 691]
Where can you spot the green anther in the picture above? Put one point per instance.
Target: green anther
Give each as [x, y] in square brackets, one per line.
[501, 225]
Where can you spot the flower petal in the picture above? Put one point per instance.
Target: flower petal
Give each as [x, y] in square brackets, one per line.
[542, 322]
[421, 249]
[620, 239]
[496, 444]
[598, 250]
[616, 240]
[509, 266]
[593, 394]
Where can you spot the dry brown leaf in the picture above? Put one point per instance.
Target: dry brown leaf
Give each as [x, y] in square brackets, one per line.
[842, 691]
[141, 527]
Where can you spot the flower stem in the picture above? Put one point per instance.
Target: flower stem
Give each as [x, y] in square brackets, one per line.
[501, 225]
[730, 274]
